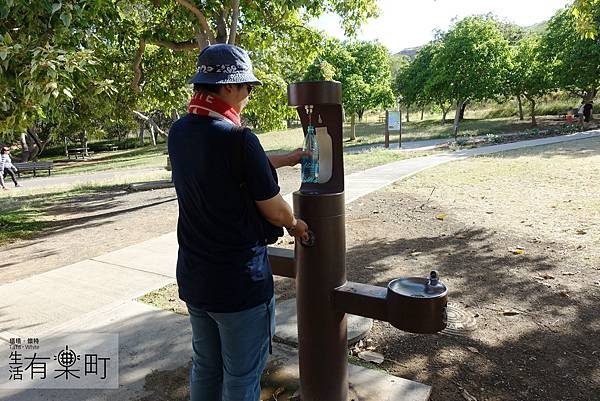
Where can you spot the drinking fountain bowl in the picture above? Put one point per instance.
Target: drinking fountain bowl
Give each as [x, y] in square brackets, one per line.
[417, 304]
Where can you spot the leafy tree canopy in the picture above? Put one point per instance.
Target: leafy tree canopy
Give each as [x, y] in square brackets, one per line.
[574, 60]
[587, 17]
[65, 59]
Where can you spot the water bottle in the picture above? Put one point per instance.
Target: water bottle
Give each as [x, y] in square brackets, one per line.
[310, 164]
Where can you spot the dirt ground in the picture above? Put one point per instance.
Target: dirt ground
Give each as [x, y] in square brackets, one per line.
[520, 254]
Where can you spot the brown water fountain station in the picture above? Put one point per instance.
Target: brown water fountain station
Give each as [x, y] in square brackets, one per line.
[324, 296]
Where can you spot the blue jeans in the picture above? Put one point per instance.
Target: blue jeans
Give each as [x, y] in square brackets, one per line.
[230, 352]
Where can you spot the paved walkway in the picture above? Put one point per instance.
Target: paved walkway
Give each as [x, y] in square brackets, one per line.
[99, 294]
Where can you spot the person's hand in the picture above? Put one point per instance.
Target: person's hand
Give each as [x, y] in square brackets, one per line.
[296, 156]
[299, 230]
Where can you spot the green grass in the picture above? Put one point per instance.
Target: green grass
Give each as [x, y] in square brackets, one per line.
[19, 222]
[364, 160]
[166, 298]
[23, 212]
[370, 131]
[147, 157]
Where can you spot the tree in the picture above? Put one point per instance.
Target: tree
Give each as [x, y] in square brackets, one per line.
[574, 60]
[363, 70]
[472, 63]
[275, 33]
[416, 85]
[47, 53]
[529, 74]
[119, 59]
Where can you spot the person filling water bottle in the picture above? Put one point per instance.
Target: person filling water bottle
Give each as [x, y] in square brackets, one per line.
[310, 163]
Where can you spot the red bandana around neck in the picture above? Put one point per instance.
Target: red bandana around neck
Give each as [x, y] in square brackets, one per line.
[206, 104]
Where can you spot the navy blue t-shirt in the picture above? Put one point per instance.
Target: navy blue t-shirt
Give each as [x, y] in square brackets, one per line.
[222, 265]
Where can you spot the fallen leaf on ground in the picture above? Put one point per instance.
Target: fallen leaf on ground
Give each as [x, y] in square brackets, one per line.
[580, 232]
[369, 267]
[467, 396]
[415, 253]
[518, 251]
[547, 276]
[564, 294]
[568, 273]
[473, 349]
[441, 216]
[510, 312]
[371, 356]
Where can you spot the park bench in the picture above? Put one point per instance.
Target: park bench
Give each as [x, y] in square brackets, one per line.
[28, 167]
[77, 152]
[111, 146]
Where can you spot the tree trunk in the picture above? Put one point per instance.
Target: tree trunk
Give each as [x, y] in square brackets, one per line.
[25, 148]
[151, 122]
[462, 110]
[444, 113]
[84, 141]
[353, 127]
[153, 135]
[407, 114]
[532, 103]
[141, 135]
[422, 112]
[38, 146]
[459, 107]
[589, 95]
[235, 14]
[520, 108]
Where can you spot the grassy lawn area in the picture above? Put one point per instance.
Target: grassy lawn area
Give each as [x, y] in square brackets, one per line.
[371, 131]
[18, 220]
[361, 161]
[545, 190]
[146, 157]
[24, 213]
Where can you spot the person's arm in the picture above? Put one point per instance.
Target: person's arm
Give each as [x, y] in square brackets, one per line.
[277, 212]
[287, 159]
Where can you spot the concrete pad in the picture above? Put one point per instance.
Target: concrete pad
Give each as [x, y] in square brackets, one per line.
[158, 255]
[287, 324]
[38, 303]
[365, 384]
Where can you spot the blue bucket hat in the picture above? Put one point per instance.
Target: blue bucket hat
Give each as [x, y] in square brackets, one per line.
[224, 64]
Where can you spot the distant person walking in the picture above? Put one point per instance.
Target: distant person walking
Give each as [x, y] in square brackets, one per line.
[6, 166]
[587, 111]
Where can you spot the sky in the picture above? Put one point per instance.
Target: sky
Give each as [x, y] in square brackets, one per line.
[404, 24]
